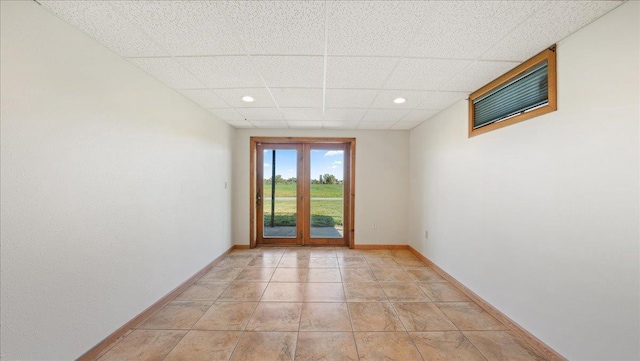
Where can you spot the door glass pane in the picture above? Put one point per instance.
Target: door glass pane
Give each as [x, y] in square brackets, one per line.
[327, 193]
[279, 200]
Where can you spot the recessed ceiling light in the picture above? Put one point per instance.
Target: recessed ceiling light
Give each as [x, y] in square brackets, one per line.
[247, 99]
[399, 100]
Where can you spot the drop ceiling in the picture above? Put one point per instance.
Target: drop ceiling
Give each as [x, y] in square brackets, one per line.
[327, 64]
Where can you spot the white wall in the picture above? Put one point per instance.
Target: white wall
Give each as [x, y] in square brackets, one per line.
[541, 218]
[382, 169]
[112, 188]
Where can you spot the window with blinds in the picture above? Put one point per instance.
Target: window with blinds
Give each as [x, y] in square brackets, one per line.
[525, 92]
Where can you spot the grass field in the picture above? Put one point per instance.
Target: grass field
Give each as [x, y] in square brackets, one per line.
[317, 190]
[324, 213]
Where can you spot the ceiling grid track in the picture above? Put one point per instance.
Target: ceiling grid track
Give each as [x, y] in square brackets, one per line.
[430, 53]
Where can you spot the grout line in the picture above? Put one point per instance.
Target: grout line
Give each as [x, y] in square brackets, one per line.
[170, 56]
[326, 50]
[235, 34]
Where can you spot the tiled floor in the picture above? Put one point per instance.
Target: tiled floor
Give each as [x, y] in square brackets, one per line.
[321, 304]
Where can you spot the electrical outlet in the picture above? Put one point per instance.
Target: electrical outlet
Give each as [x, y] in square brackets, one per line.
[426, 234]
[225, 185]
[375, 227]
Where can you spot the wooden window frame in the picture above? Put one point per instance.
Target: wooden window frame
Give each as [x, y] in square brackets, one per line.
[548, 55]
[349, 218]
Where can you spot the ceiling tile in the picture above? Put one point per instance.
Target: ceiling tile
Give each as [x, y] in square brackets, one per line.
[337, 124]
[305, 124]
[413, 99]
[103, 23]
[424, 74]
[466, 29]
[358, 72]
[240, 124]
[405, 125]
[373, 27]
[262, 98]
[297, 97]
[302, 113]
[344, 114]
[384, 115]
[555, 21]
[375, 125]
[477, 75]
[277, 124]
[168, 71]
[261, 114]
[279, 27]
[227, 114]
[419, 115]
[223, 71]
[441, 100]
[290, 71]
[205, 97]
[349, 98]
[183, 27]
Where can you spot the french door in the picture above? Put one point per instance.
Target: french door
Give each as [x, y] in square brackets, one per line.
[302, 192]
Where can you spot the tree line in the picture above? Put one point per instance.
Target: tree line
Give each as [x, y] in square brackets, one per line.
[322, 179]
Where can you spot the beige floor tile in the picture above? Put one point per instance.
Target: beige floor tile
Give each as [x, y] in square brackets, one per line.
[401, 253]
[376, 316]
[297, 252]
[324, 275]
[284, 292]
[323, 262]
[352, 262]
[364, 292]
[323, 292]
[375, 253]
[469, 316]
[442, 292]
[290, 275]
[502, 346]
[403, 292]
[255, 346]
[382, 262]
[275, 316]
[203, 291]
[444, 346]
[391, 275]
[388, 346]
[255, 275]
[221, 275]
[243, 291]
[357, 275]
[323, 252]
[226, 316]
[177, 315]
[424, 274]
[325, 317]
[326, 346]
[346, 252]
[205, 346]
[410, 262]
[422, 316]
[144, 345]
[264, 262]
[234, 262]
[294, 263]
[272, 251]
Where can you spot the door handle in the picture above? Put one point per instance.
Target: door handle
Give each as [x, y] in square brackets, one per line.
[258, 198]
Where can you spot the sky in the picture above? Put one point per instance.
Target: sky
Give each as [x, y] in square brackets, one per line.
[323, 161]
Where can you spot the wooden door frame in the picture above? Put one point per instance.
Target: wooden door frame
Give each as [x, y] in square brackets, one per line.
[350, 143]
